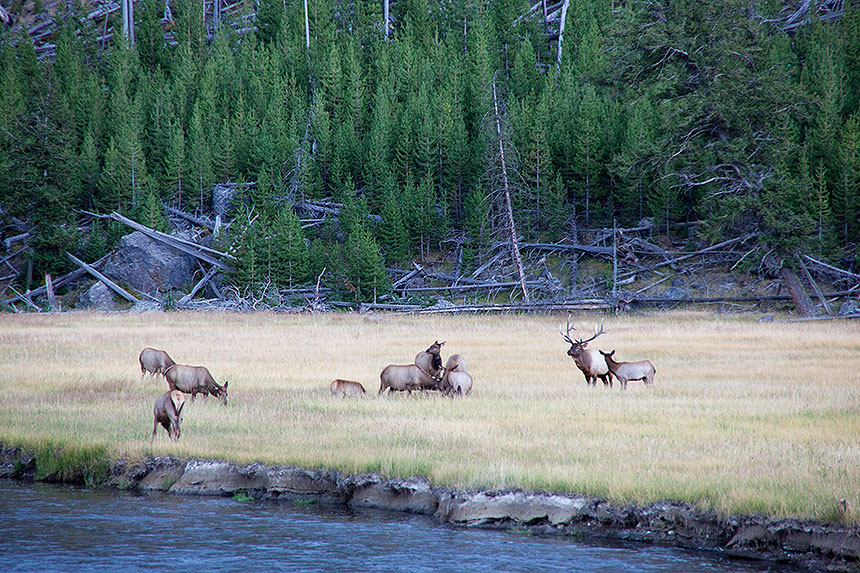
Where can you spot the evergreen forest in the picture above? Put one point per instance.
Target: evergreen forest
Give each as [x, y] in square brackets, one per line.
[430, 133]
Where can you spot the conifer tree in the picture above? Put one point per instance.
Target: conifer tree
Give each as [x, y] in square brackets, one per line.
[176, 170]
[391, 234]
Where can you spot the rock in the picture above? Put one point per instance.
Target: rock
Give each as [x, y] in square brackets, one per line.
[97, 297]
[207, 477]
[677, 282]
[766, 318]
[288, 482]
[517, 506]
[148, 265]
[849, 307]
[146, 306]
[411, 495]
[674, 293]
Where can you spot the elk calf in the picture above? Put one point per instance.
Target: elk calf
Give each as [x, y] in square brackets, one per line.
[430, 360]
[154, 361]
[407, 377]
[168, 413]
[195, 380]
[346, 388]
[626, 371]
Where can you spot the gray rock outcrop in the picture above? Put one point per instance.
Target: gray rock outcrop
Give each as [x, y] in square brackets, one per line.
[97, 297]
[148, 265]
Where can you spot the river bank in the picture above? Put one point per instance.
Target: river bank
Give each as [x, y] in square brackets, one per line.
[803, 544]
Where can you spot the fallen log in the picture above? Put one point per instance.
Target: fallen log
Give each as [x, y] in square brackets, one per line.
[585, 304]
[704, 251]
[188, 247]
[481, 286]
[49, 289]
[69, 277]
[106, 281]
[831, 268]
[199, 221]
[200, 284]
[814, 286]
[24, 297]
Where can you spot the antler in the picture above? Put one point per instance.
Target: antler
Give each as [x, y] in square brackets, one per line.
[569, 328]
[596, 334]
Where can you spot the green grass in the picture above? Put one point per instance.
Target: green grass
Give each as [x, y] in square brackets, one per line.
[743, 416]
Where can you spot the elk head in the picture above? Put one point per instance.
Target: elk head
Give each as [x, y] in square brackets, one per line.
[577, 345]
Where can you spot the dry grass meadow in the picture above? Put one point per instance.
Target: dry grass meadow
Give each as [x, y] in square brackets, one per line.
[743, 416]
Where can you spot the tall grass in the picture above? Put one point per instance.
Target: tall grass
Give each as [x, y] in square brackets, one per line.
[743, 416]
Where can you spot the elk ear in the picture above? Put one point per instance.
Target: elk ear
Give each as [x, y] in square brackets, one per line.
[225, 383]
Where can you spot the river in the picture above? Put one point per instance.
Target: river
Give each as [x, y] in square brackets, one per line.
[57, 528]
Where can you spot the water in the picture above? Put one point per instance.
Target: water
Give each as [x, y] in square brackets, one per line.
[49, 528]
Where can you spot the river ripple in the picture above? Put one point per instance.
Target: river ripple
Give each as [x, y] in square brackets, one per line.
[50, 528]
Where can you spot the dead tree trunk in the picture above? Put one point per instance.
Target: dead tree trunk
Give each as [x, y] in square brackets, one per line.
[561, 21]
[798, 295]
[515, 249]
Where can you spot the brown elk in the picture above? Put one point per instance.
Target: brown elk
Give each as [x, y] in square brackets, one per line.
[346, 388]
[430, 360]
[407, 377]
[456, 382]
[168, 413]
[626, 371]
[154, 361]
[195, 380]
[590, 362]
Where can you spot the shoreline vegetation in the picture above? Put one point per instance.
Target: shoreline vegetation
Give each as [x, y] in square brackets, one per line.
[744, 419]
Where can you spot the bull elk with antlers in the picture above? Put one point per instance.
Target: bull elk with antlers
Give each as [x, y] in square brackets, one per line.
[590, 362]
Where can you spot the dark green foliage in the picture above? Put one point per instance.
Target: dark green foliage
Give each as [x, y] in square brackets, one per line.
[677, 110]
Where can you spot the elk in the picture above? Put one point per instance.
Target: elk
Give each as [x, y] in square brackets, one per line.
[195, 380]
[346, 388]
[430, 360]
[590, 362]
[408, 377]
[456, 382]
[168, 413]
[455, 361]
[626, 371]
[154, 361]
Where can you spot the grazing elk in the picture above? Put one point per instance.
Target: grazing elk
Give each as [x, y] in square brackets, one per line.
[456, 361]
[590, 362]
[626, 371]
[407, 377]
[154, 361]
[430, 360]
[168, 413]
[456, 382]
[346, 388]
[195, 380]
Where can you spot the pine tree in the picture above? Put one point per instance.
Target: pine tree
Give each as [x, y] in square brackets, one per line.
[291, 264]
[176, 170]
[391, 234]
[847, 192]
[365, 267]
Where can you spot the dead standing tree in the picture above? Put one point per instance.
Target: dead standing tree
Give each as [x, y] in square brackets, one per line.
[499, 162]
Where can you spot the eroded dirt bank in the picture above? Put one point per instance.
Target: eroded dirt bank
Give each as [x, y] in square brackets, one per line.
[806, 545]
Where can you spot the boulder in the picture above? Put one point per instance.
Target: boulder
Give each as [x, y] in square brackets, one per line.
[674, 293]
[849, 307]
[97, 297]
[148, 265]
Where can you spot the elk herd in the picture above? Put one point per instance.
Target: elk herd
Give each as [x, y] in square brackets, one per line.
[426, 373]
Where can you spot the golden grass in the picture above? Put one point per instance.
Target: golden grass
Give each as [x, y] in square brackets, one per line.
[743, 416]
